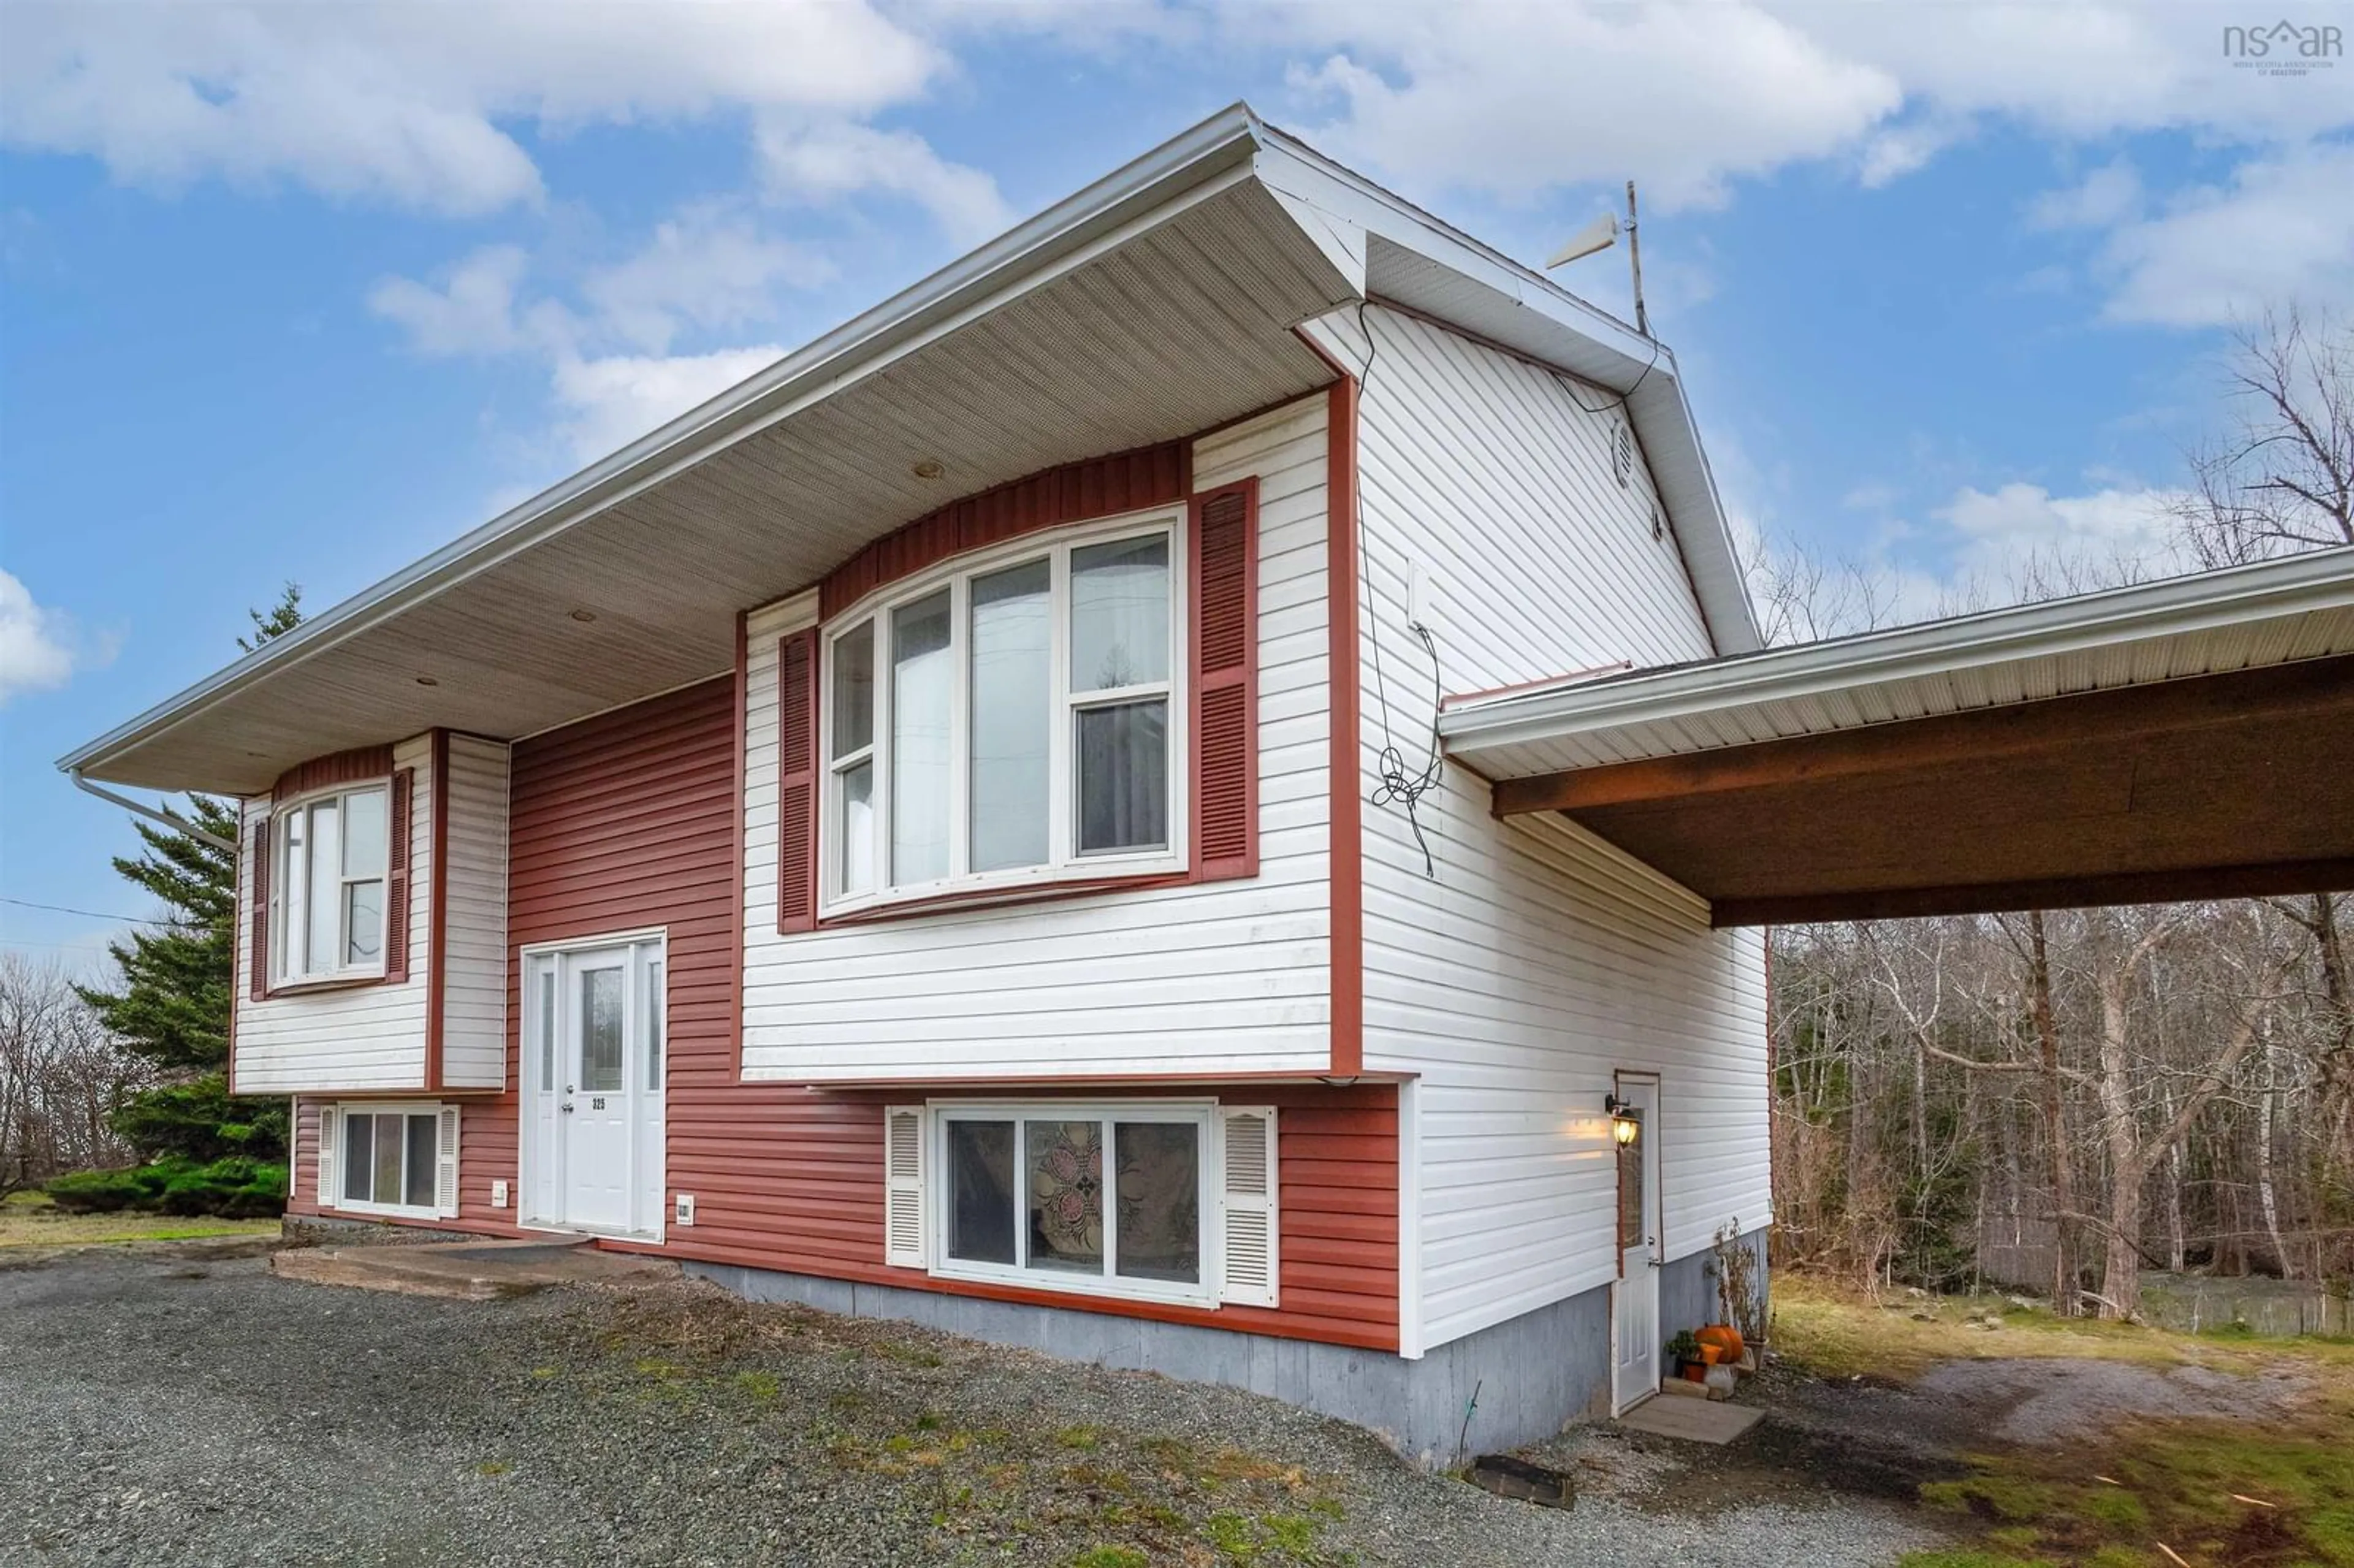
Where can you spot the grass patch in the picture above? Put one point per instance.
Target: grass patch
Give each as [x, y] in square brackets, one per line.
[1111, 1557]
[32, 1219]
[2110, 1502]
[1836, 1332]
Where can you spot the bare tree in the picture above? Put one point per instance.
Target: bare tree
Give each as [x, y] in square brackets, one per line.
[61, 1077]
[2282, 479]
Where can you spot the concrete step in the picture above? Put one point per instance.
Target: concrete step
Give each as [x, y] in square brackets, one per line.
[471, 1271]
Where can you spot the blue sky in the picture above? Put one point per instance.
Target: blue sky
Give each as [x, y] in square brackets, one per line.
[299, 294]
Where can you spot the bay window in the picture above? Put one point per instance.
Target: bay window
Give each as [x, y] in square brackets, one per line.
[327, 886]
[1015, 719]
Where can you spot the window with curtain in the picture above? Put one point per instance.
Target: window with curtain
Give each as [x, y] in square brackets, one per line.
[387, 1159]
[1110, 1200]
[327, 886]
[1011, 720]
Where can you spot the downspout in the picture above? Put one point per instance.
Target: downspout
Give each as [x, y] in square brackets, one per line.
[177, 823]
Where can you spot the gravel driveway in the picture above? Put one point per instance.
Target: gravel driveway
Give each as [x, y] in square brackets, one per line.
[174, 1405]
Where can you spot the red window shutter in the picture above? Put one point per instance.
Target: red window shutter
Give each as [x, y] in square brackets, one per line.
[396, 876]
[797, 770]
[257, 958]
[1226, 681]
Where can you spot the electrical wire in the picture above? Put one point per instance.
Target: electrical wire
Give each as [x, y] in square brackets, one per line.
[1399, 785]
[93, 913]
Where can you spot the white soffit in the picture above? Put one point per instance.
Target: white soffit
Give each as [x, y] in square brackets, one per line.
[1150, 306]
[2274, 612]
[1167, 324]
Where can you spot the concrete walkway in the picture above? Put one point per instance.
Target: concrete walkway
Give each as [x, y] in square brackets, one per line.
[1696, 1420]
[470, 1270]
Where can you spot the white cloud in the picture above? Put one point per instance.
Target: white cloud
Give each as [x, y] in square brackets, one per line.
[1518, 98]
[611, 375]
[708, 268]
[2282, 230]
[611, 401]
[1998, 532]
[473, 310]
[2103, 198]
[825, 161]
[40, 647]
[407, 103]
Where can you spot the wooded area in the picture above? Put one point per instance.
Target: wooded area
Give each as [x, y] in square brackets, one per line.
[63, 1078]
[2063, 1101]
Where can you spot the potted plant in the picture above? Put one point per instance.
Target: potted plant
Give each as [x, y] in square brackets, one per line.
[1689, 1356]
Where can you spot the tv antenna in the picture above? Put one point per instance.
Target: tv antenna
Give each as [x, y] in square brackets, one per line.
[1602, 234]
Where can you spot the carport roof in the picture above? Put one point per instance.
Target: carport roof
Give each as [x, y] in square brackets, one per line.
[2186, 739]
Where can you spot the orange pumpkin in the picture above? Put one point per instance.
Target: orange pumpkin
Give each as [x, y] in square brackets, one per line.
[1725, 1338]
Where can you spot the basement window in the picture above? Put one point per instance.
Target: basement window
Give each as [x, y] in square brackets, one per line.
[389, 1159]
[1159, 1201]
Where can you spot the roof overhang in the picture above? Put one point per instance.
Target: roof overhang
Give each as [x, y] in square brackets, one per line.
[2187, 738]
[1157, 304]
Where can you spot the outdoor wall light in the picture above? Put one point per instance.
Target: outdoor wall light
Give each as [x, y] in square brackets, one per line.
[1625, 1126]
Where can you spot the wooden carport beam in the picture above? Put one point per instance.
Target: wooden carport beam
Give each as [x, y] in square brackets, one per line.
[2063, 893]
[2318, 690]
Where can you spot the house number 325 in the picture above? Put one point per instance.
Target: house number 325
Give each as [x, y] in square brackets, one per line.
[596, 1102]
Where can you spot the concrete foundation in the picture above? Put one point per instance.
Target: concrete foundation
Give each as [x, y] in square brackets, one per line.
[1688, 1294]
[1532, 1376]
[335, 1230]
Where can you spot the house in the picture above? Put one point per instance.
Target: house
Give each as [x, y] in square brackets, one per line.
[942, 830]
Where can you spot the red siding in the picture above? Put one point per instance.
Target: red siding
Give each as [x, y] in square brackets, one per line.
[1226, 681]
[628, 820]
[1098, 487]
[340, 768]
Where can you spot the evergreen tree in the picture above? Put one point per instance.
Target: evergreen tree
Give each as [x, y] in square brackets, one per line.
[284, 617]
[171, 1003]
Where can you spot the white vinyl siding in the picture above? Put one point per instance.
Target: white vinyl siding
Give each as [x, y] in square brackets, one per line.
[366, 1037]
[372, 1036]
[474, 940]
[1209, 978]
[1538, 959]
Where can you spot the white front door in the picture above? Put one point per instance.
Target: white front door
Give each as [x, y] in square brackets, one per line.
[594, 1016]
[1634, 1300]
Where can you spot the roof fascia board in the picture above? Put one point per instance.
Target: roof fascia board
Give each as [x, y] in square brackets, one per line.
[1290, 166]
[1199, 164]
[1617, 357]
[2298, 585]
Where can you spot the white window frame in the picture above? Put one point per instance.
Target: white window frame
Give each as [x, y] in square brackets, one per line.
[333, 1197]
[1064, 861]
[290, 915]
[1209, 1203]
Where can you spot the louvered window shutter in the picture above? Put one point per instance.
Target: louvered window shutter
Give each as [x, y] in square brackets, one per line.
[1226, 681]
[258, 938]
[330, 1131]
[1249, 1273]
[445, 1164]
[396, 875]
[797, 771]
[903, 1187]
